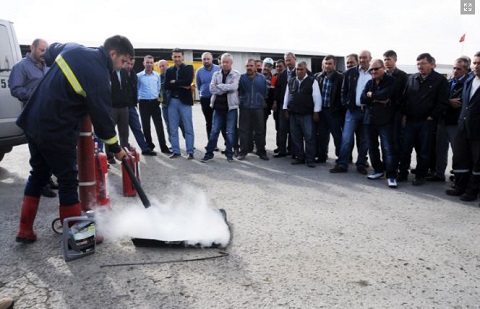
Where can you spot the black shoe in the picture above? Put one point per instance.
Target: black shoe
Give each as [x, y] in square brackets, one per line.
[216, 149]
[402, 177]
[298, 162]
[112, 161]
[276, 150]
[418, 181]
[175, 155]
[468, 197]
[454, 192]
[206, 158]
[241, 157]
[190, 156]
[52, 184]
[149, 153]
[435, 178]
[320, 160]
[46, 191]
[279, 155]
[362, 170]
[310, 164]
[167, 151]
[264, 157]
[338, 169]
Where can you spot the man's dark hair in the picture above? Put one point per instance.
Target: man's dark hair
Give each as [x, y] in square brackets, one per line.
[427, 56]
[120, 44]
[178, 50]
[280, 61]
[331, 57]
[390, 54]
[477, 54]
[355, 56]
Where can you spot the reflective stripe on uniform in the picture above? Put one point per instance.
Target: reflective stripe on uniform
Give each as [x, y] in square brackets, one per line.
[461, 171]
[111, 141]
[72, 79]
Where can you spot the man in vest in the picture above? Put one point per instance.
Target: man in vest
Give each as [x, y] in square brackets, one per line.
[303, 103]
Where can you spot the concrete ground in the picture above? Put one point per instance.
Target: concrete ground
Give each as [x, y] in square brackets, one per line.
[302, 238]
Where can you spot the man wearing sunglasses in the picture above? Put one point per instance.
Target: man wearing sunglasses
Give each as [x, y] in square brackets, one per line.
[379, 122]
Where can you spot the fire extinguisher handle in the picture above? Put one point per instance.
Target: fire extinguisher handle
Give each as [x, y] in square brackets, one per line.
[136, 183]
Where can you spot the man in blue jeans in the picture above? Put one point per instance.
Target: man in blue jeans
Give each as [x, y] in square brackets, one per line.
[224, 89]
[379, 120]
[354, 82]
[178, 96]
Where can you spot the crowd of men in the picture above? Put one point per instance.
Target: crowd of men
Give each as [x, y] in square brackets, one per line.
[372, 104]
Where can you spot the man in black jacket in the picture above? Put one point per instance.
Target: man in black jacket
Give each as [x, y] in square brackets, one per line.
[466, 150]
[178, 97]
[120, 102]
[379, 122]
[425, 99]
[283, 137]
[390, 61]
[332, 115]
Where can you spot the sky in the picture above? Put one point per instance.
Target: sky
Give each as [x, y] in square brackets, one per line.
[339, 27]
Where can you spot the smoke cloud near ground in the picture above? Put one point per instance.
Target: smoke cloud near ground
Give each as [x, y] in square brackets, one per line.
[185, 216]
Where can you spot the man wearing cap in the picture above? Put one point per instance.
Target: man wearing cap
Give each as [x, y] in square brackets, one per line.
[268, 64]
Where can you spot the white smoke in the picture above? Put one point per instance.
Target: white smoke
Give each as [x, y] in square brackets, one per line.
[183, 217]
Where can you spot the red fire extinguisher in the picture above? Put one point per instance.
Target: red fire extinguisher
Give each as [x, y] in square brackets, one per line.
[101, 178]
[133, 159]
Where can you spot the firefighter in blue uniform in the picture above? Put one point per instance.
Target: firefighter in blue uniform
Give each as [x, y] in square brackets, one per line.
[77, 84]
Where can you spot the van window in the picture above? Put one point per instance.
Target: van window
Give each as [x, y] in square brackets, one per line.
[6, 54]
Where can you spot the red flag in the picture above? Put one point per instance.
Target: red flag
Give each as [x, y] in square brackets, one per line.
[462, 39]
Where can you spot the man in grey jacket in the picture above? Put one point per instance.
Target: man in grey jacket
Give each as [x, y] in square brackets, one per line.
[224, 102]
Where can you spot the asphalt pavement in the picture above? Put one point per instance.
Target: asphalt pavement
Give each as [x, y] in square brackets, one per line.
[301, 238]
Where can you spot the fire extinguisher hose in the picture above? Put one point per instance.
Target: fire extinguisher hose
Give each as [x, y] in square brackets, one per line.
[136, 183]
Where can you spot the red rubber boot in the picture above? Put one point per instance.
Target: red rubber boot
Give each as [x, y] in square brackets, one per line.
[75, 211]
[26, 234]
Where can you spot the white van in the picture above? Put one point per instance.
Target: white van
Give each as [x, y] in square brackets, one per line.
[10, 107]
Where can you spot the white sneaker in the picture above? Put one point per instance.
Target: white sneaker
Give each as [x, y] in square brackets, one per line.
[392, 182]
[375, 176]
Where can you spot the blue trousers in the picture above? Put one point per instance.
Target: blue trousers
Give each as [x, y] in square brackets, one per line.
[136, 128]
[180, 113]
[223, 120]
[302, 128]
[416, 134]
[353, 121]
